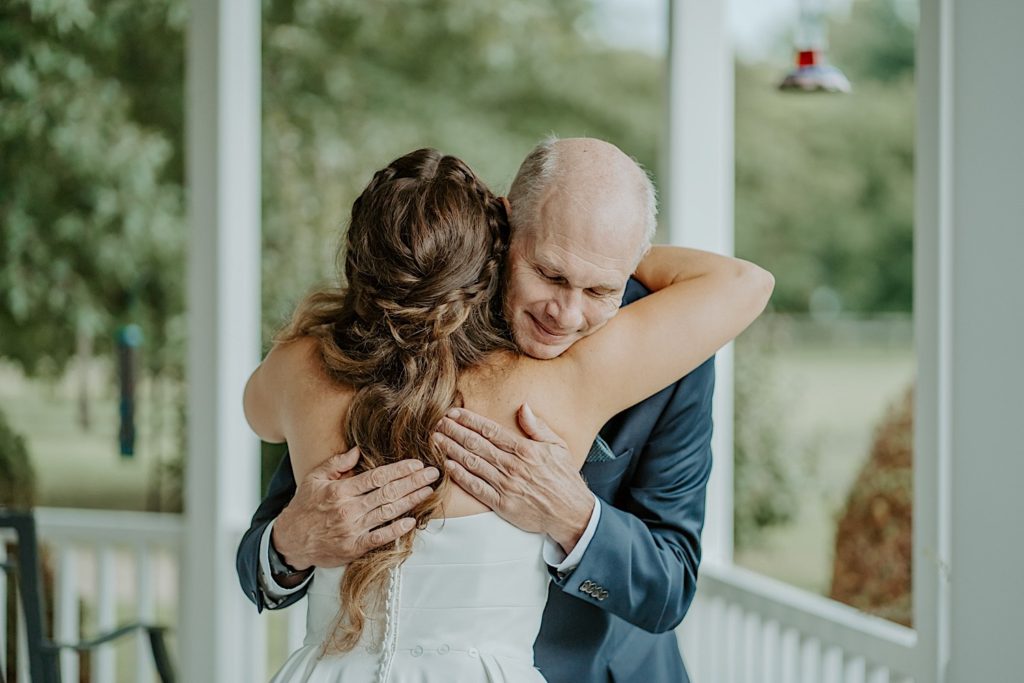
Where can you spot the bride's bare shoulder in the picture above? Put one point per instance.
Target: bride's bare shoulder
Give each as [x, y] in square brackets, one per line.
[547, 386]
[299, 362]
[290, 381]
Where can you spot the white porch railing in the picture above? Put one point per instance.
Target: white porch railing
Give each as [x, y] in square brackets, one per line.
[743, 627]
[747, 628]
[101, 559]
[118, 567]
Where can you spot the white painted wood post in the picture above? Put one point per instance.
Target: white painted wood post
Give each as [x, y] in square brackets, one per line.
[933, 342]
[697, 199]
[970, 329]
[218, 626]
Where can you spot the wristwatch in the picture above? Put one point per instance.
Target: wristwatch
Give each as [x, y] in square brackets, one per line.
[282, 570]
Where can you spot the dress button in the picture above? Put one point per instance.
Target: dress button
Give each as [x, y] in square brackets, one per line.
[417, 651]
[444, 649]
[473, 652]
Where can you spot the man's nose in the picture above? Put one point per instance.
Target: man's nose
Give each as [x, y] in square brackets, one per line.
[566, 309]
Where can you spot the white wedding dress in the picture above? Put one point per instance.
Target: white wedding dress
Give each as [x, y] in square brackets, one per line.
[465, 607]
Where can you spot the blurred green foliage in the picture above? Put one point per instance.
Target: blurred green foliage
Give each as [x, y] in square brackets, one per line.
[17, 478]
[824, 183]
[766, 475]
[91, 124]
[824, 200]
[90, 176]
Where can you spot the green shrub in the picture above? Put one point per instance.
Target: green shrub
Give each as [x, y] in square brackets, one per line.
[765, 474]
[17, 478]
[874, 537]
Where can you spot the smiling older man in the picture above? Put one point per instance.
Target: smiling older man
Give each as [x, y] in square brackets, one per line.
[626, 531]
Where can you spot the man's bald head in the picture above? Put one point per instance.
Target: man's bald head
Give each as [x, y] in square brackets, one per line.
[592, 178]
[583, 214]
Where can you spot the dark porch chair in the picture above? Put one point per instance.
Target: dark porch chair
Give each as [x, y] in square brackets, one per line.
[43, 659]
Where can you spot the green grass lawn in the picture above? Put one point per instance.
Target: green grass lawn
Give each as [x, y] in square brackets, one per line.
[83, 468]
[835, 398]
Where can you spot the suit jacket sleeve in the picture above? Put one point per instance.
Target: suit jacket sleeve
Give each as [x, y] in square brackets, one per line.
[247, 559]
[641, 564]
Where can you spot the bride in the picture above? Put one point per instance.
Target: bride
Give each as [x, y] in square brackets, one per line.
[417, 330]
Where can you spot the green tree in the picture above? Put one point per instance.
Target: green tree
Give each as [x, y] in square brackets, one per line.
[91, 196]
[876, 42]
[90, 182]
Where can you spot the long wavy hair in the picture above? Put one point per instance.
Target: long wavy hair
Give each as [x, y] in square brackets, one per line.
[423, 265]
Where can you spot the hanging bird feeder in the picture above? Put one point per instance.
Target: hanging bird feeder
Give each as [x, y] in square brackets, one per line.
[129, 339]
[813, 73]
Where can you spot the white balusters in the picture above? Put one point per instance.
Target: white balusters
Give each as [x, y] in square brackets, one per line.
[734, 652]
[752, 665]
[832, 665]
[853, 670]
[771, 649]
[690, 636]
[744, 627]
[66, 611]
[103, 664]
[810, 660]
[790, 655]
[145, 611]
[716, 644]
[122, 566]
[104, 561]
[878, 674]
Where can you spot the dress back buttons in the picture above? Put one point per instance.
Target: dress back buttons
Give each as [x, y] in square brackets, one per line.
[444, 649]
[417, 651]
[473, 652]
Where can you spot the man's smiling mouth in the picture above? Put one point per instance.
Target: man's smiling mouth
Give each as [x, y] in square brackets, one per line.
[545, 332]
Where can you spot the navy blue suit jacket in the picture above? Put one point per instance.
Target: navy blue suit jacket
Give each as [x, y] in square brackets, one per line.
[612, 618]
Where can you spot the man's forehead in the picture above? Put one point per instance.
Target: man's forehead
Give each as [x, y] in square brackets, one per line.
[599, 210]
[604, 225]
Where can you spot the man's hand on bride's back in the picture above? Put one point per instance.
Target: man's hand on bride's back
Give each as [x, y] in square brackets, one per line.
[336, 517]
[533, 483]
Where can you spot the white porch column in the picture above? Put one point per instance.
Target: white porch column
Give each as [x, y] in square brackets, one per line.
[698, 201]
[219, 630]
[969, 438]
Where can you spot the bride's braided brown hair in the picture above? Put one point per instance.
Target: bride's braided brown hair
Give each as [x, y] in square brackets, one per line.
[423, 263]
